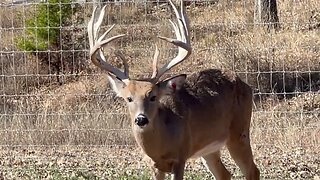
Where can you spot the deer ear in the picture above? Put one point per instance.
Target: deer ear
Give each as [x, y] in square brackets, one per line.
[171, 85]
[116, 84]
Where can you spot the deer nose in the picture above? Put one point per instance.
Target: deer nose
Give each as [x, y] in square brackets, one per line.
[141, 120]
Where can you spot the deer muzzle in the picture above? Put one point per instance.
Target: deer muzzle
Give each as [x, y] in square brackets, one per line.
[141, 120]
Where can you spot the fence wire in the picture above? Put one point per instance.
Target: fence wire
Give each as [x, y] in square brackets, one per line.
[56, 107]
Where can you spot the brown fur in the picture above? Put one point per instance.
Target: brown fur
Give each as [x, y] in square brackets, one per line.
[211, 106]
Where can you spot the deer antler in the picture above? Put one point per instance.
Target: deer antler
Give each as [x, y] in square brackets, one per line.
[97, 44]
[181, 29]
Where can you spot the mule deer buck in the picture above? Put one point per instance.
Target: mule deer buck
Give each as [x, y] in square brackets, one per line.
[183, 116]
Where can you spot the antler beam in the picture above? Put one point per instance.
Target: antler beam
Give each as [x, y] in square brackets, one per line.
[97, 43]
[181, 29]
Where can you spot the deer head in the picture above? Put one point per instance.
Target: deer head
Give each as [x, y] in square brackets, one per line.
[142, 95]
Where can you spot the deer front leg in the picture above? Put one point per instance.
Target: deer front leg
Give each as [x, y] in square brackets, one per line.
[178, 171]
[157, 174]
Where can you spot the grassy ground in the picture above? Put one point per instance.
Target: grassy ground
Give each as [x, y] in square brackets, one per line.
[70, 131]
[126, 163]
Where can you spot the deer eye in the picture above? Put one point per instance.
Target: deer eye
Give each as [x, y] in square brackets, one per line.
[153, 98]
[129, 99]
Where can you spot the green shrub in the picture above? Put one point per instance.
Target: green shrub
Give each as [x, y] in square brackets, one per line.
[43, 31]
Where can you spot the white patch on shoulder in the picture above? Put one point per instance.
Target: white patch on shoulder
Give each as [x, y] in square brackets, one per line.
[210, 148]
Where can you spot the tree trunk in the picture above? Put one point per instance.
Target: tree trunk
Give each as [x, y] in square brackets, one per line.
[266, 13]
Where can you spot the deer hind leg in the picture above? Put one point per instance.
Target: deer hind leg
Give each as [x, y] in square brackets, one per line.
[240, 150]
[215, 166]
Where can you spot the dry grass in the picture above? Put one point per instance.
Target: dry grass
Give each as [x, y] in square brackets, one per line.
[36, 111]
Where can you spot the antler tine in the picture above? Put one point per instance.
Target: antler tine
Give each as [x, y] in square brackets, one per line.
[181, 29]
[155, 63]
[97, 43]
[124, 61]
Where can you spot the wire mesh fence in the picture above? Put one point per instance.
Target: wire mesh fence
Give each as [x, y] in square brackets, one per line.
[59, 118]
